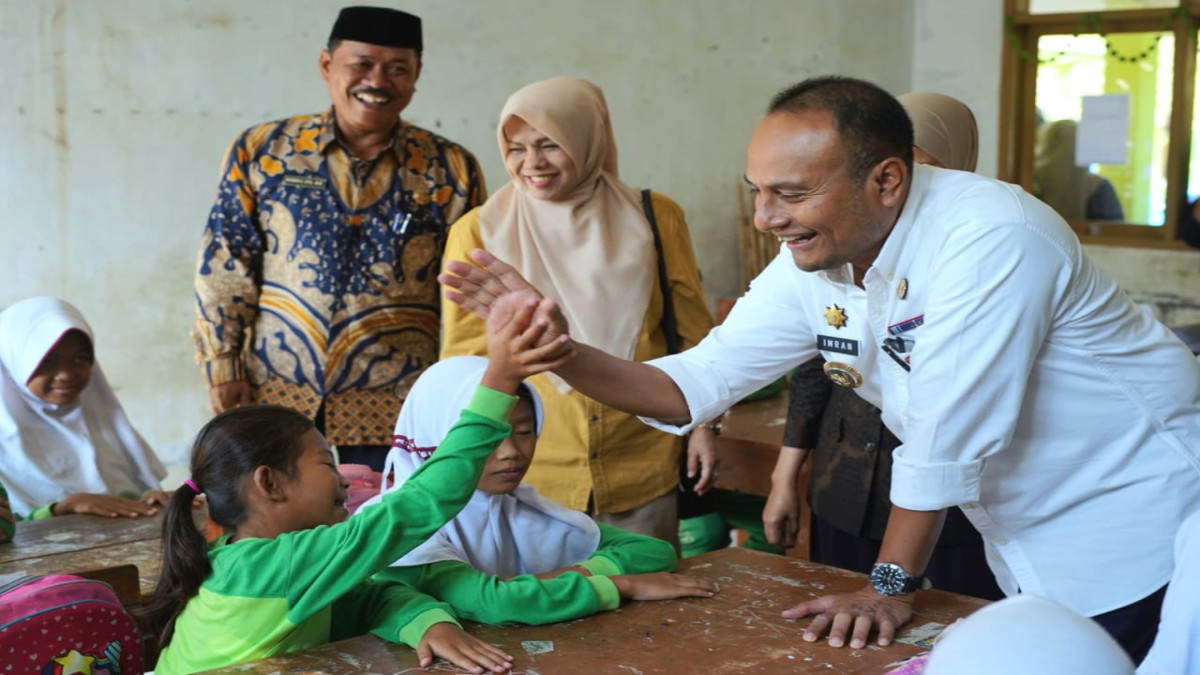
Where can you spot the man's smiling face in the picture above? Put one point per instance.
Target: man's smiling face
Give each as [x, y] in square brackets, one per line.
[369, 84]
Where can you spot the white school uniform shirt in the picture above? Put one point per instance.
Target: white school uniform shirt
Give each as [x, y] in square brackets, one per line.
[1033, 394]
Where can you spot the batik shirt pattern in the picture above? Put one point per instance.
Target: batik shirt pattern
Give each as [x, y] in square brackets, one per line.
[317, 275]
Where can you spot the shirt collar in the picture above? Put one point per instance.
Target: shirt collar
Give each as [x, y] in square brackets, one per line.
[329, 134]
[889, 255]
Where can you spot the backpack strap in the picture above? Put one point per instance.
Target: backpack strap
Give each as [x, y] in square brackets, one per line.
[669, 327]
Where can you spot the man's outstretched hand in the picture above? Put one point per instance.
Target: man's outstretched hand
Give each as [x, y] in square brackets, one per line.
[477, 289]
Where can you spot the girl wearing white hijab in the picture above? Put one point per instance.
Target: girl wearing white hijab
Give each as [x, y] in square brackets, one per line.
[1030, 635]
[65, 443]
[511, 555]
[570, 226]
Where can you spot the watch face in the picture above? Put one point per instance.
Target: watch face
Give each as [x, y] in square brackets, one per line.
[889, 578]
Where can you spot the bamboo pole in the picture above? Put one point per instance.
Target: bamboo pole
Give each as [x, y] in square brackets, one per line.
[756, 249]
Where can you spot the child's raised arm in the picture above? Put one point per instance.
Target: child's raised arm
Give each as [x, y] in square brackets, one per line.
[513, 334]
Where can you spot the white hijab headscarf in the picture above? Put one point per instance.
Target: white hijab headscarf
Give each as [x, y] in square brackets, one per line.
[50, 451]
[593, 250]
[505, 535]
[1030, 635]
[1177, 647]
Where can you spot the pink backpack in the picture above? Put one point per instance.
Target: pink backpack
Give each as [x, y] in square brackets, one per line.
[61, 624]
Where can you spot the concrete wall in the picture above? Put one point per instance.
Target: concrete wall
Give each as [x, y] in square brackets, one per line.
[116, 115]
[956, 51]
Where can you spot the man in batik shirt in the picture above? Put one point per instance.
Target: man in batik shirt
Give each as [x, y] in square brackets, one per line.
[316, 282]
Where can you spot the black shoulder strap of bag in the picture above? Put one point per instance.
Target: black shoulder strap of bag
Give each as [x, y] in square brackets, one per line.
[669, 327]
[689, 503]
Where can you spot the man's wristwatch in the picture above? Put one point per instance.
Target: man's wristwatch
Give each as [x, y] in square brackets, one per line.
[891, 579]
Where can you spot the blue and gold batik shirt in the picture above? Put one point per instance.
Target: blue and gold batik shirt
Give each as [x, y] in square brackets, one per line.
[317, 275]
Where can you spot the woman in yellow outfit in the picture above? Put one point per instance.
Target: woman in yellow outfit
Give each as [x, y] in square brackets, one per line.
[572, 228]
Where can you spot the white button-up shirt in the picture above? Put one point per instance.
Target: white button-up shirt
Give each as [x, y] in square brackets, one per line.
[1025, 385]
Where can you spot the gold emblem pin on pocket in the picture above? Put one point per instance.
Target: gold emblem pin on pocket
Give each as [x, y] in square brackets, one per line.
[843, 374]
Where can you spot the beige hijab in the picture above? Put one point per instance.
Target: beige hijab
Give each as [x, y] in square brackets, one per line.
[592, 250]
[1057, 180]
[943, 127]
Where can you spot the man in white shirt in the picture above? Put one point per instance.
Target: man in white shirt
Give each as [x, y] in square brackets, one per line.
[1028, 390]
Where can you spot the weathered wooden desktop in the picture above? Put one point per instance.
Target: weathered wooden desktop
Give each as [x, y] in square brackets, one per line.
[737, 631]
[74, 544]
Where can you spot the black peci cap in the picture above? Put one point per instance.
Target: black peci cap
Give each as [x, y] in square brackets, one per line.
[378, 26]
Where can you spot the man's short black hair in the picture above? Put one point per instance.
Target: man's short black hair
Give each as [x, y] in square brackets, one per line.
[334, 42]
[870, 121]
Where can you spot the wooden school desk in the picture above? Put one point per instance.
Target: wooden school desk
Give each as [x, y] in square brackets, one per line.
[75, 543]
[737, 631]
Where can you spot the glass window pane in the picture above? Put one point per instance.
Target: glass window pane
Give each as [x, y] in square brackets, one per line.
[1067, 6]
[1193, 188]
[1104, 108]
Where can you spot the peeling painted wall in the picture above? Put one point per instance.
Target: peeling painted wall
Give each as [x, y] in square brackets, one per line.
[117, 114]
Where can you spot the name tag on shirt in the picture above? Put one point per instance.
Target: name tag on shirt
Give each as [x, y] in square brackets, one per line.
[828, 343]
[294, 180]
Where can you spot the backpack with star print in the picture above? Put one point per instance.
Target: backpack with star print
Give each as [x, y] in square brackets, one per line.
[61, 624]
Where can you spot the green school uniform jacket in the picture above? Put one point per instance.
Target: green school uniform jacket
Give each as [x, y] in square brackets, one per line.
[6, 528]
[486, 598]
[304, 588]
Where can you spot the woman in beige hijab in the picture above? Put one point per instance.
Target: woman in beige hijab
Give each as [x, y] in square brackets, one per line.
[944, 131]
[1073, 191]
[571, 227]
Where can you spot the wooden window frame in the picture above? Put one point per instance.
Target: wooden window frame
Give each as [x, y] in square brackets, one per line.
[1018, 82]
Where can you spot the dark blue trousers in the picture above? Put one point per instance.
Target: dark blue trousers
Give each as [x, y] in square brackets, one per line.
[1135, 626]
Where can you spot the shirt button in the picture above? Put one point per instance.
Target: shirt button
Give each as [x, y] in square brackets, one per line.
[1002, 542]
[970, 505]
[595, 418]
[869, 447]
[593, 454]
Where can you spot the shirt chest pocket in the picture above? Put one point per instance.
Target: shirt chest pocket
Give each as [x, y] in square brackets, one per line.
[901, 341]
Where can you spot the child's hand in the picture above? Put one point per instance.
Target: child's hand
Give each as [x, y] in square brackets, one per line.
[447, 641]
[516, 349]
[103, 505]
[501, 307]
[663, 586]
[477, 288]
